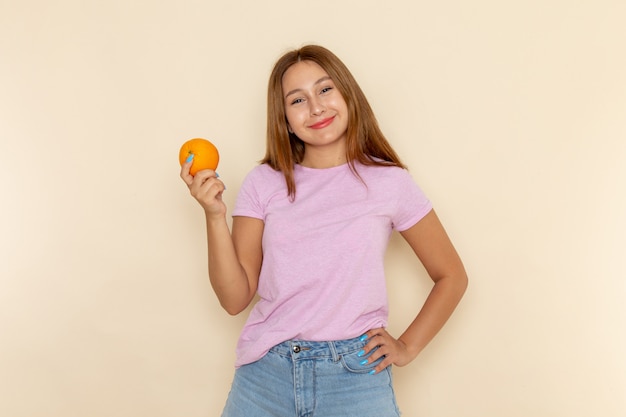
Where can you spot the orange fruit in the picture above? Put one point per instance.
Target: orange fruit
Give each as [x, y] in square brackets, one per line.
[205, 155]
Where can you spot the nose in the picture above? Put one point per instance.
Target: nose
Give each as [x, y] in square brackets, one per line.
[317, 106]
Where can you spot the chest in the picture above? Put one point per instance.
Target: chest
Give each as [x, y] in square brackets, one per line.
[330, 213]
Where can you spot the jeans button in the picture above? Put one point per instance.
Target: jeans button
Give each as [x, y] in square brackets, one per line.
[296, 349]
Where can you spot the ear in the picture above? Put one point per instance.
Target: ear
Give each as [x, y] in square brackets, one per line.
[289, 128]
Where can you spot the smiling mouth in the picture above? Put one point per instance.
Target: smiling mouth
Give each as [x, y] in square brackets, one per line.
[323, 123]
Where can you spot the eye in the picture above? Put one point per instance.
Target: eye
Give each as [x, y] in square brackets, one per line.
[325, 90]
[297, 101]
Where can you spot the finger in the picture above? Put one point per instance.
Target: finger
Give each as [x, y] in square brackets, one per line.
[380, 331]
[376, 338]
[382, 366]
[203, 178]
[215, 188]
[185, 174]
[381, 355]
[204, 174]
[207, 188]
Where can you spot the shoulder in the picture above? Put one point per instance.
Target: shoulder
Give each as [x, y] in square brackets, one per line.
[400, 192]
[263, 181]
[258, 187]
[383, 173]
[395, 183]
[261, 174]
[263, 170]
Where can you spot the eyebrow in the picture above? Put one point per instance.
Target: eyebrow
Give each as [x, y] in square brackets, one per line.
[321, 80]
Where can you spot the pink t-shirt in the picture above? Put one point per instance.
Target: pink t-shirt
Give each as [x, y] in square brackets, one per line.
[322, 276]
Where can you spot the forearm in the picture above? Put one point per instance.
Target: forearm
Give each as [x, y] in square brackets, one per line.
[437, 309]
[228, 277]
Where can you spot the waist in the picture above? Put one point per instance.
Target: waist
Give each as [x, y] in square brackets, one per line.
[304, 349]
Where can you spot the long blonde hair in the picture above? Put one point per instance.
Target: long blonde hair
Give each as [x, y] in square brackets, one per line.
[365, 141]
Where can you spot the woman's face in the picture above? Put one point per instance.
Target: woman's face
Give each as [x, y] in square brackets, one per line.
[315, 109]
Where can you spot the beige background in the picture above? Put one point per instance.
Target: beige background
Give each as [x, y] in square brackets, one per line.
[510, 114]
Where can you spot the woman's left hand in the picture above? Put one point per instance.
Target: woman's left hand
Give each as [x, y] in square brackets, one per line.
[392, 350]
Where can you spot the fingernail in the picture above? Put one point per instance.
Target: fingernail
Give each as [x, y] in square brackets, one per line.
[363, 362]
[189, 158]
[217, 175]
[361, 353]
[372, 372]
[363, 338]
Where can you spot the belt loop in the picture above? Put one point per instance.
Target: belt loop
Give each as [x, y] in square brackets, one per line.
[333, 351]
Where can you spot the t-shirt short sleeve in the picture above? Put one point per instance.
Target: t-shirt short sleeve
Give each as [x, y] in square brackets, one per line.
[248, 202]
[412, 203]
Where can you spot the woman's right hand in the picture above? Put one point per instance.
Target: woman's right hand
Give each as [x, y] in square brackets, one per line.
[206, 188]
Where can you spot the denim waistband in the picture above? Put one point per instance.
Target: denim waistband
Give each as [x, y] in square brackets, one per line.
[303, 349]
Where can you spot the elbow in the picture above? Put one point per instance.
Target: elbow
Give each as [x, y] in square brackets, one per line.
[464, 281]
[233, 299]
[233, 310]
[462, 284]
[461, 281]
[456, 283]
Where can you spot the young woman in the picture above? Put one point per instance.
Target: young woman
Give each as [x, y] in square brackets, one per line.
[310, 228]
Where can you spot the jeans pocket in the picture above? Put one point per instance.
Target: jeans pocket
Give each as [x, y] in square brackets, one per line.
[352, 362]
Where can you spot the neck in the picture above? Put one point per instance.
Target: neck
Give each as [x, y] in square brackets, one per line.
[323, 158]
[320, 163]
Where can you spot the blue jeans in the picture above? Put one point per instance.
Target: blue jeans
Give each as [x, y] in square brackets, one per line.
[312, 379]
